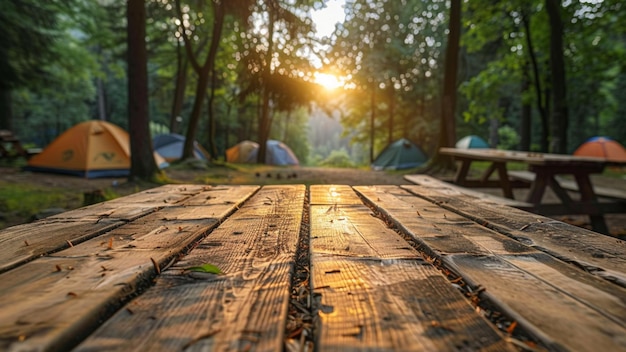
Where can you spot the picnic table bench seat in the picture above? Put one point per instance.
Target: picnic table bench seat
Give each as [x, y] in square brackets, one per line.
[570, 185]
[393, 268]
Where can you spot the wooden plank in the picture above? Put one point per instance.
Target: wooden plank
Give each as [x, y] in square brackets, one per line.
[394, 305]
[452, 190]
[19, 244]
[112, 210]
[600, 255]
[166, 194]
[440, 230]
[333, 194]
[375, 293]
[345, 230]
[135, 205]
[22, 243]
[70, 292]
[532, 288]
[543, 308]
[243, 309]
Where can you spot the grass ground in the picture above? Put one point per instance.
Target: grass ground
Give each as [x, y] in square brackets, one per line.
[25, 196]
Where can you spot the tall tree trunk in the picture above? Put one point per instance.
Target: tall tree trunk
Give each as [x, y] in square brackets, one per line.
[392, 108]
[494, 137]
[545, 124]
[179, 89]
[202, 72]
[559, 120]
[447, 134]
[526, 114]
[541, 106]
[6, 109]
[286, 128]
[100, 91]
[372, 121]
[142, 166]
[212, 125]
[102, 114]
[264, 122]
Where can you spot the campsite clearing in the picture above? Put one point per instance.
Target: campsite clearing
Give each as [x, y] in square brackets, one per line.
[74, 187]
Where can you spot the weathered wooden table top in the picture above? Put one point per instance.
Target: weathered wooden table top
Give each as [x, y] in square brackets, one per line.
[530, 158]
[378, 268]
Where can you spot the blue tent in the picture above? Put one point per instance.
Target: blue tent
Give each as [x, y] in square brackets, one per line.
[471, 141]
[401, 154]
[276, 153]
[170, 147]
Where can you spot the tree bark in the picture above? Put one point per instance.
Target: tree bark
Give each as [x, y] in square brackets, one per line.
[6, 109]
[559, 120]
[202, 72]
[143, 166]
[264, 119]
[212, 123]
[372, 121]
[526, 114]
[392, 111]
[179, 90]
[102, 115]
[447, 134]
[541, 106]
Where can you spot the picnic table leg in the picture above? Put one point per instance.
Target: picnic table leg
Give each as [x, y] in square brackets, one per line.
[587, 194]
[488, 172]
[503, 176]
[559, 191]
[461, 172]
[538, 187]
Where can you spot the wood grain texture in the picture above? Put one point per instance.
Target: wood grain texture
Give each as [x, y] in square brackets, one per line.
[375, 292]
[453, 190]
[537, 290]
[22, 243]
[549, 310]
[245, 308]
[350, 231]
[395, 305]
[604, 256]
[333, 194]
[53, 302]
[19, 244]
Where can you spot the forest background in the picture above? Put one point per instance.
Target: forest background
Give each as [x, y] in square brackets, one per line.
[541, 75]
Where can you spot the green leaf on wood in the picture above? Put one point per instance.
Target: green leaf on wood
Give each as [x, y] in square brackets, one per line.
[206, 268]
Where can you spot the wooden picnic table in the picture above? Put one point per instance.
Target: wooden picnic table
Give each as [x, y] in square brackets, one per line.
[251, 268]
[10, 145]
[543, 172]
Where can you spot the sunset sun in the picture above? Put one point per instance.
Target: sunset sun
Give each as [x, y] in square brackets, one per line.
[327, 80]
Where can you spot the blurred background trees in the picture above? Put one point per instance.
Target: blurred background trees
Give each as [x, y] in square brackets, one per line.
[222, 73]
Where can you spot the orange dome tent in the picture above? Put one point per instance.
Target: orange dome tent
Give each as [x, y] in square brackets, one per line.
[602, 147]
[89, 149]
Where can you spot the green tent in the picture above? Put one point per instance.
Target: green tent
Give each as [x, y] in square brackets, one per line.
[471, 141]
[401, 154]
